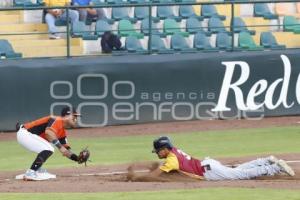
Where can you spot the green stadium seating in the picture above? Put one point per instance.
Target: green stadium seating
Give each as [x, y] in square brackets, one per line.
[291, 24]
[171, 27]
[126, 28]
[246, 42]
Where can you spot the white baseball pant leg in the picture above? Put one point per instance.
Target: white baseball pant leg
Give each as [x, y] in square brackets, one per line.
[33, 142]
[220, 172]
[254, 163]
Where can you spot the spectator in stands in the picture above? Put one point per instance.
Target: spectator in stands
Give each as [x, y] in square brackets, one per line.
[88, 13]
[58, 14]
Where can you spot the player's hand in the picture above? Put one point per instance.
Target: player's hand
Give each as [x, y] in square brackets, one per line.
[130, 174]
[65, 152]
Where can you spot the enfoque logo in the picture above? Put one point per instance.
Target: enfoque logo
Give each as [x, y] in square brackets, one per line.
[111, 103]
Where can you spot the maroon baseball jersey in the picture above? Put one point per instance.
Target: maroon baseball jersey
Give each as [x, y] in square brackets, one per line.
[180, 161]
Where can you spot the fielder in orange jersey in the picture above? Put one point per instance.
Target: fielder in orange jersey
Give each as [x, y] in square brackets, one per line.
[207, 169]
[37, 136]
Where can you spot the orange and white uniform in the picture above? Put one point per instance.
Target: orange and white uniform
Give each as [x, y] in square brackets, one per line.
[32, 135]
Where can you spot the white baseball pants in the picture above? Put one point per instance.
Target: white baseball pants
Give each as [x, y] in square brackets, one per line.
[252, 169]
[33, 142]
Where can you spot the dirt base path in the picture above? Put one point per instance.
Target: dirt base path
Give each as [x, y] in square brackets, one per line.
[98, 179]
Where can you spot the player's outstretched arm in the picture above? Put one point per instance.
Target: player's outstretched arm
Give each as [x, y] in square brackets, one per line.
[154, 175]
[50, 135]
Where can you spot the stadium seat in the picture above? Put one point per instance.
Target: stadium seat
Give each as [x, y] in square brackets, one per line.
[97, 2]
[79, 29]
[290, 23]
[187, 11]
[239, 26]
[119, 13]
[141, 13]
[262, 10]
[139, 1]
[164, 12]
[145, 28]
[267, 40]
[208, 11]
[133, 44]
[126, 28]
[115, 1]
[245, 41]
[223, 41]
[193, 25]
[201, 42]
[28, 3]
[7, 51]
[158, 45]
[179, 43]
[101, 27]
[215, 25]
[171, 27]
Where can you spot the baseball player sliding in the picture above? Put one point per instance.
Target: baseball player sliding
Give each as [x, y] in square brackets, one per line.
[208, 169]
[37, 136]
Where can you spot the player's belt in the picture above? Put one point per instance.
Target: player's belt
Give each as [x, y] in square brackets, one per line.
[19, 126]
[205, 168]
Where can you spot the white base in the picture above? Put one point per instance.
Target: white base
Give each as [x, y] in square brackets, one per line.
[20, 177]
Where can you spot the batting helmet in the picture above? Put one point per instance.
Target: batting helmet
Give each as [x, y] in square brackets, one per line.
[161, 142]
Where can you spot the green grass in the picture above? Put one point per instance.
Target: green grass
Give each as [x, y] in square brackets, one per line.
[116, 150]
[207, 194]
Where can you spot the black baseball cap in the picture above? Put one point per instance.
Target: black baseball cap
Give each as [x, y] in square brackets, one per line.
[69, 111]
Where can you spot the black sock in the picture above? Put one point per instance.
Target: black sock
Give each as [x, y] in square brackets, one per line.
[40, 159]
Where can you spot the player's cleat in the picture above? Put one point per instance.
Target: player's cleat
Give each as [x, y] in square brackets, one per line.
[272, 159]
[285, 168]
[31, 175]
[43, 173]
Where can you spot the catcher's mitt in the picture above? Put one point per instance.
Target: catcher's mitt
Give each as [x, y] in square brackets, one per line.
[83, 156]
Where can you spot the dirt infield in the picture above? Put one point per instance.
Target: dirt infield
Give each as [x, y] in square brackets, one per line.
[101, 178]
[98, 179]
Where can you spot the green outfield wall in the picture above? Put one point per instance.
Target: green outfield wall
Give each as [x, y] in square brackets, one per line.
[146, 88]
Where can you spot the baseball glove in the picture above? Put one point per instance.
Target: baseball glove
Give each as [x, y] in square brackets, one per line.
[83, 156]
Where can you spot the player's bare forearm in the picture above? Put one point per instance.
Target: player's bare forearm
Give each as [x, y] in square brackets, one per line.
[154, 175]
[50, 135]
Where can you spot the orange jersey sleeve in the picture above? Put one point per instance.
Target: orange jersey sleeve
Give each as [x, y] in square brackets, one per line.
[57, 127]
